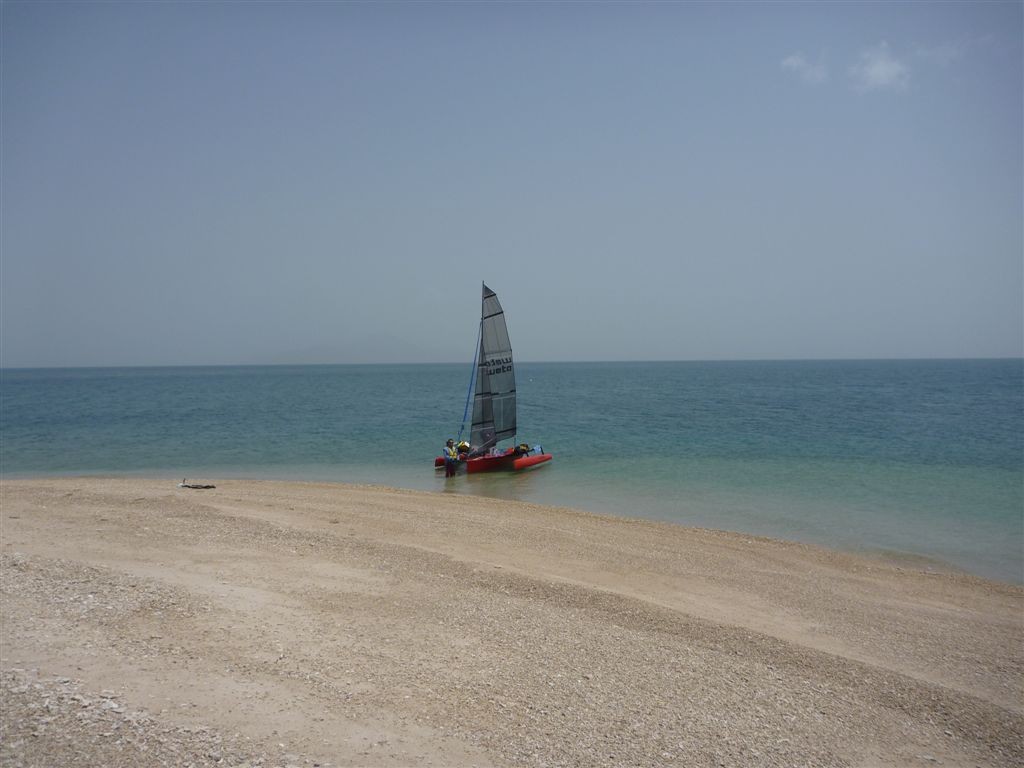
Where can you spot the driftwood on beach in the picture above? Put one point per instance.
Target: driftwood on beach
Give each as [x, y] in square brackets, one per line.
[284, 623]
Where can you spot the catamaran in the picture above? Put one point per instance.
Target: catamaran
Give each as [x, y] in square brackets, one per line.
[494, 401]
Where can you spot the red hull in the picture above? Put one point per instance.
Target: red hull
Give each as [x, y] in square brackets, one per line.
[529, 461]
[507, 462]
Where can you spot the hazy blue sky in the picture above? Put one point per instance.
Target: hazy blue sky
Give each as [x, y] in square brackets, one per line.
[328, 182]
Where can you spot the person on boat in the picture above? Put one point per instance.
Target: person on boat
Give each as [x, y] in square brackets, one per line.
[451, 458]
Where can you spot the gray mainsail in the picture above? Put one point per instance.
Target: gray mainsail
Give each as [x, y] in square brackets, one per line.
[494, 402]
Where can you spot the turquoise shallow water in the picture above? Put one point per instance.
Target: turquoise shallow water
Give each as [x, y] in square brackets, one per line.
[924, 458]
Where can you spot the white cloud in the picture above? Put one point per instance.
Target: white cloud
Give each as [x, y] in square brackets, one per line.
[879, 70]
[808, 72]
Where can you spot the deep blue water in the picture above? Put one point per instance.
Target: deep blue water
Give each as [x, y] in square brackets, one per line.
[918, 457]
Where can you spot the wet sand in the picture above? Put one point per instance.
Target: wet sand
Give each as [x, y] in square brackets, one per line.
[272, 623]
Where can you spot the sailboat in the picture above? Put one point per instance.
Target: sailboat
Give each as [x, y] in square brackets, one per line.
[494, 400]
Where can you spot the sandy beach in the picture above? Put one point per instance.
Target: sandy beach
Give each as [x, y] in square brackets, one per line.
[276, 624]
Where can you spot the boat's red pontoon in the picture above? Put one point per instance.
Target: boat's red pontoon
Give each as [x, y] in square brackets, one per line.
[507, 461]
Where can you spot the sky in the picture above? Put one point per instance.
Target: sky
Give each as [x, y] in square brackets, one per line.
[250, 183]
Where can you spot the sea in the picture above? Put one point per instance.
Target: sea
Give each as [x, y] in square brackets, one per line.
[919, 459]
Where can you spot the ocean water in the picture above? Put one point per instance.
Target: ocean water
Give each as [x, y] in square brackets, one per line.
[916, 458]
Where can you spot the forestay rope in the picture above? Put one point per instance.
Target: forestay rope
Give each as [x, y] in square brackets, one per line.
[472, 377]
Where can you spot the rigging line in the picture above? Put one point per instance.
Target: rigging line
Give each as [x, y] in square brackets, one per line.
[472, 376]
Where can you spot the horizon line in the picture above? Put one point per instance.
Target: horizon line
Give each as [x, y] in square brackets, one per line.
[521, 362]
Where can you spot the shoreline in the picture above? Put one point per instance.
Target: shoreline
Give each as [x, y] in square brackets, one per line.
[931, 563]
[471, 630]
